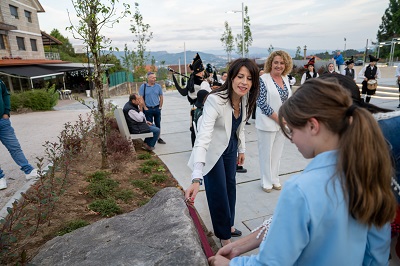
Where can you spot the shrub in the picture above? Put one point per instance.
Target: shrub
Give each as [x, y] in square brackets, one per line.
[150, 163]
[124, 195]
[145, 169]
[158, 178]
[144, 156]
[117, 143]
[71, 226]
[145, 186]
[102, 188]
[37, 100]
[98, 175]
[116, 161]
[106, 207]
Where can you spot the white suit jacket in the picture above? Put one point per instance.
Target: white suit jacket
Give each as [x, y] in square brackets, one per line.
[214, 131]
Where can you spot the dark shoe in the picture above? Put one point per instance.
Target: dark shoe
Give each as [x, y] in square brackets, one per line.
[240, 169]
[236, 233]
[398, 106]
[161, 141]
[248, 123]
[147, 147]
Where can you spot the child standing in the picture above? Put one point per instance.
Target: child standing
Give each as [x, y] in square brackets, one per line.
[338, 210]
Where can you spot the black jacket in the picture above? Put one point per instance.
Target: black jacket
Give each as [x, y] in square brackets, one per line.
[134, 126]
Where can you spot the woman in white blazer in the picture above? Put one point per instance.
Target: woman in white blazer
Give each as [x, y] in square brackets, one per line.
[220, 145]
[274, 90]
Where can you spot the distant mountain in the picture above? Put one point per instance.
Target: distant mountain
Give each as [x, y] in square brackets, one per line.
[217, 58]
[174, 58]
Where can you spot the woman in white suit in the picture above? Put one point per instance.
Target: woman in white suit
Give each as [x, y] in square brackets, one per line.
[274, 90]
[220, 145]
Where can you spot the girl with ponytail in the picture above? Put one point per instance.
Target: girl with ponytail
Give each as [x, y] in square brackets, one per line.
[338, 210]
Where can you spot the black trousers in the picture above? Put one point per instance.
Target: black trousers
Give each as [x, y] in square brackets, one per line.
[220, 185]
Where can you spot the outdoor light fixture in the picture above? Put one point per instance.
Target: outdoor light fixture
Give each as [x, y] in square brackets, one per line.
[237, 11]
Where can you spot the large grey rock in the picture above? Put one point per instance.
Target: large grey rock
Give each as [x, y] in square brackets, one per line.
[159, 233]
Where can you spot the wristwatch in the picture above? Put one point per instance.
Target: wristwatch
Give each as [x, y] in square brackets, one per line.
[197, 181]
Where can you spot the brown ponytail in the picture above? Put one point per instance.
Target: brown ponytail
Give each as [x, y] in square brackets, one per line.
[364, 164]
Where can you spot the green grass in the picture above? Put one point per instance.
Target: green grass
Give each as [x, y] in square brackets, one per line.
[71, 226]
[144, 156]
[158, 178]
[150, 163]
[145, 169]
[125, 195]
[103, 188]
[106, 207]
[145, 186]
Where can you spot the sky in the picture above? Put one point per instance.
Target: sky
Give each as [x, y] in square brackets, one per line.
[198, 25]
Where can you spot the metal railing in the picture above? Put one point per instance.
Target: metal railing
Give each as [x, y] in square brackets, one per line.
[52, 56]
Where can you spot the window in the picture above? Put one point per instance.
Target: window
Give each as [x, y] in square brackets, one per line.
[28, 16]
[2, 44]
[21, 43]
[14, 11]
[33, 45]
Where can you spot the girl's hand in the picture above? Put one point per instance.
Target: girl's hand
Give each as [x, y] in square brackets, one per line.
[218, 261]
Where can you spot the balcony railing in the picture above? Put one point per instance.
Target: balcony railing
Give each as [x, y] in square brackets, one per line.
[52, 56]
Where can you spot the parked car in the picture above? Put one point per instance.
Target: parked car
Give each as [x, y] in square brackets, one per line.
[169, 83]
[359, 63]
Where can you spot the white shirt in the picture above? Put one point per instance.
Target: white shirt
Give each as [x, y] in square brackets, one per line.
[362, 72]
[137, 116]
[398, 71]
[303, 78]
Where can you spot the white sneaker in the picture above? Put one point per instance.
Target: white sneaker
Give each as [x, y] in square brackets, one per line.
[33, 174]
[3, 183]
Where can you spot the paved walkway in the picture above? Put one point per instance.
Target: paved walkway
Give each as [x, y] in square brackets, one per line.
[253, 205]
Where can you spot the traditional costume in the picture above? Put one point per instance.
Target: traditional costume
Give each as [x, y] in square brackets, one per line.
[370, 74]
[308, 74]
[349, 71]
[195, 84]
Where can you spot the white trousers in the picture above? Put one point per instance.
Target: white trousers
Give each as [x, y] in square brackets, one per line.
[270, 148]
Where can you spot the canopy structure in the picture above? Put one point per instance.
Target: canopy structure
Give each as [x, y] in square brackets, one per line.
[39, 71]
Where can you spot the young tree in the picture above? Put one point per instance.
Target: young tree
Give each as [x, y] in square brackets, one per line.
[390, 26]
[142, 37]
[298, 53]
[248, 38]
[270, 49]
[93, 16]
[227, 40]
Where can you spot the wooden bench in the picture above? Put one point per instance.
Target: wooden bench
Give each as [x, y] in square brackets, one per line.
[123, 127]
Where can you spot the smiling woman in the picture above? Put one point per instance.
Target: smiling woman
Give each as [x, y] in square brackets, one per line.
[274, 90]
[220, 145]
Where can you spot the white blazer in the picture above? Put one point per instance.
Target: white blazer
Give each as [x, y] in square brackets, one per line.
[263, 122]
[214, 131]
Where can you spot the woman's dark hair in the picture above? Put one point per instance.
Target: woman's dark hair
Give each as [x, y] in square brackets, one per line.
[349, 84]
[363, 165]
[232, 73]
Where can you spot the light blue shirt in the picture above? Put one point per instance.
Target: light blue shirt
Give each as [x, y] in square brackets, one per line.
[153, 93]
[312, 225]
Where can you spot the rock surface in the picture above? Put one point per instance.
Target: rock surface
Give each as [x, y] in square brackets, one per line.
[159, 233]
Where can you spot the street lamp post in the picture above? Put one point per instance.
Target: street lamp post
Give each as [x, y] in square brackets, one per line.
[242, 11]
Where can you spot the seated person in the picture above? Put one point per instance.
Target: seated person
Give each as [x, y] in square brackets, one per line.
[136, 121]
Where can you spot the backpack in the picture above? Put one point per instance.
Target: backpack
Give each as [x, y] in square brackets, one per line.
[197, 113]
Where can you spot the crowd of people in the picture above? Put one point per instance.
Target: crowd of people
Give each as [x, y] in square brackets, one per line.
[341, 210]
[343, 189]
